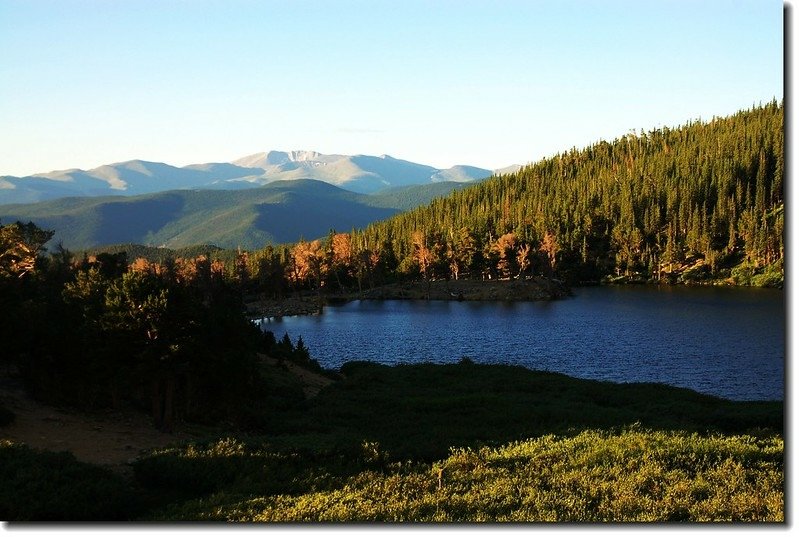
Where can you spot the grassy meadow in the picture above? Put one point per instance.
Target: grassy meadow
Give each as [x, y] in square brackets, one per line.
[425, 443]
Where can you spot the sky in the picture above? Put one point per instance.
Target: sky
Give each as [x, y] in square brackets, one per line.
[484, 83]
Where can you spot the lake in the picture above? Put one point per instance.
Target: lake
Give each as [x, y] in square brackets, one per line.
[728, 342]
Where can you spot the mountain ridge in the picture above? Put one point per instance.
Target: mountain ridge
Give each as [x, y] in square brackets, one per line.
[279, 212]
[363, 174]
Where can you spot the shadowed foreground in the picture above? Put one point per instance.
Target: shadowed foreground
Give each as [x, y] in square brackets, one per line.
[460, 442]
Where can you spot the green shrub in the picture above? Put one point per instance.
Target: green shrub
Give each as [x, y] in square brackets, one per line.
[47, 486]
[769, 276]
[190, 477]
[195, 470]
[419, 411]
[695, 274]
[742, 274]
[376, 446]
[633, 476]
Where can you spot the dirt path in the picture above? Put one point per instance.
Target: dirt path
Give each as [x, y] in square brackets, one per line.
[110, 439]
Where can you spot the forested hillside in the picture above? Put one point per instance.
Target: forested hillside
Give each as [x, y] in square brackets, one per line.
[703, 201]
[280, 212]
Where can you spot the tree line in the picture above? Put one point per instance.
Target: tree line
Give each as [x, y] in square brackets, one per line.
[702, 202]
[100, 331]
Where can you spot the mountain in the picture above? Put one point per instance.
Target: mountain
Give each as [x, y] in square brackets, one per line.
[281, 158]
[279, 212]
[130, 178]
[359, 173]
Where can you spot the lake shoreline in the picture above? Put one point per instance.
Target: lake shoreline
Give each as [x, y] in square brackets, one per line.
[700, 338]
[527, 290]
[532, 289]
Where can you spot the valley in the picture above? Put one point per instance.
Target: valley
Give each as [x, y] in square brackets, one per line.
[277, 213]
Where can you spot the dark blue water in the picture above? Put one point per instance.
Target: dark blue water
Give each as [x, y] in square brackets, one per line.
[728, 342]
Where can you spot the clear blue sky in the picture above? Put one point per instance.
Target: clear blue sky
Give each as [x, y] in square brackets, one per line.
[84, 83]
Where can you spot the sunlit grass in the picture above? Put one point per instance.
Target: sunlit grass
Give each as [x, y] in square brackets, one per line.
[636, 475]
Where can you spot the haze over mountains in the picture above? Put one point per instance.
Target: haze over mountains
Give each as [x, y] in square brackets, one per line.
[363, 174]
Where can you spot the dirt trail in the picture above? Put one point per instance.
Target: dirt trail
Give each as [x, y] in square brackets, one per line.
[109, 438]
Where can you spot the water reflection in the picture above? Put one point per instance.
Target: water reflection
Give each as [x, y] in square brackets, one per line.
[721, 341]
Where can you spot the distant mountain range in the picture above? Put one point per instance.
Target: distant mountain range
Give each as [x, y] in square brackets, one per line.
[279, 212]
[362, 174]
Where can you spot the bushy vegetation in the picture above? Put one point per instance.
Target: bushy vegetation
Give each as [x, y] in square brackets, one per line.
[46, 486]
[510, 444]
[763, 276]
[595, 476]
[419, 411]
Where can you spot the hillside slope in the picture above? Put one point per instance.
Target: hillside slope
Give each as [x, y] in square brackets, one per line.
[279, 212]
[701, 202]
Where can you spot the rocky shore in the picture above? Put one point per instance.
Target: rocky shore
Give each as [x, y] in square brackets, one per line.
[284, 307]
[502, 290]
